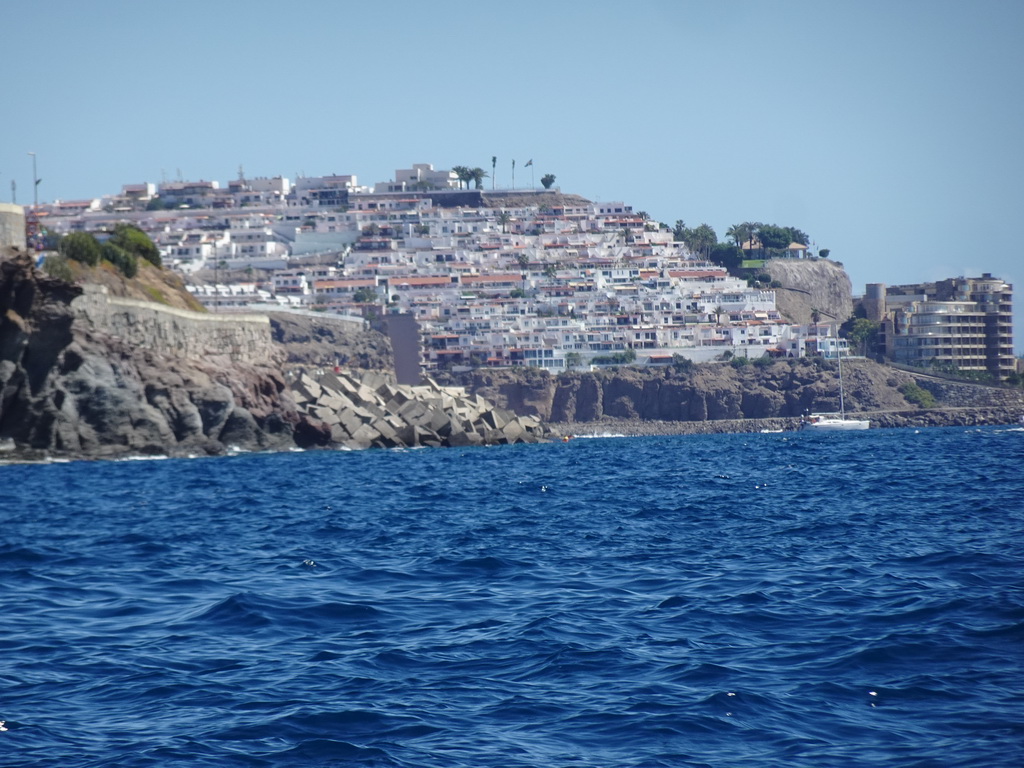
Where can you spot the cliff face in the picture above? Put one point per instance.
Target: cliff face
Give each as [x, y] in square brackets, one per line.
[97, 379]
[810, 284]
[92, 371]
[90, 375]
[712, 392]
[323, 340]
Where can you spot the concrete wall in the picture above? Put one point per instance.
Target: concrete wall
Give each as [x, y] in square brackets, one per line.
[12, 226]
[404, 333]
[176, 332]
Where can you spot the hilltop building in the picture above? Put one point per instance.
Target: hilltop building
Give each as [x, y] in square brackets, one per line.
[960, 323]
[540, 280]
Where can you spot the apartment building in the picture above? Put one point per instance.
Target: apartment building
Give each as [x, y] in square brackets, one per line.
[964, 323]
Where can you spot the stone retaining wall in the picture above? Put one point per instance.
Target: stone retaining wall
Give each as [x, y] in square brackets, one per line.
[176, 332]
[960, 395]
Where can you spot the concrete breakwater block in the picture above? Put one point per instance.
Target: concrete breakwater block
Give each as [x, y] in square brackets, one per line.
[370, 410]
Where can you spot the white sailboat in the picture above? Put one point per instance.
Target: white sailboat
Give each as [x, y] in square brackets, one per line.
[835, 421]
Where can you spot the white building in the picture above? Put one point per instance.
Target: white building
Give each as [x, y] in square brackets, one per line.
[421, 176]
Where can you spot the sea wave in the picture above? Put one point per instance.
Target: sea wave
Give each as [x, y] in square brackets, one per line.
[701, 600]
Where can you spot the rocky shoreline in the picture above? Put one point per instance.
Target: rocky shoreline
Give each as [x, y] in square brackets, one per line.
[90, 372]
[936, 417]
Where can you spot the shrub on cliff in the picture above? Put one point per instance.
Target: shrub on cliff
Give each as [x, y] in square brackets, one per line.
[917, 395]
[133, 240]
[56, 265]
[81, 247]
[681, 363]
[127, 263]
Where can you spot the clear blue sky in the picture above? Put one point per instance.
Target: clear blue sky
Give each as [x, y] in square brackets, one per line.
[891, 132]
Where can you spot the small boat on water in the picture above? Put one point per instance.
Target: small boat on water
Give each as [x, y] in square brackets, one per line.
[834, 421]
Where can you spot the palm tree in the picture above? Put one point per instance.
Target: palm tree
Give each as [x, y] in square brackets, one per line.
[718, 311]
[478, 175]
[742, 233]
[494, 169]
[701, 240]
[679, 231]
[464, 174]
[504, 218]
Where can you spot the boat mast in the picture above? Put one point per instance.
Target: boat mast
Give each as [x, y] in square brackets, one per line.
[842, 405]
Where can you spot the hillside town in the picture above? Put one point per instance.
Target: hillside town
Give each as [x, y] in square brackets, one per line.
[514, 277]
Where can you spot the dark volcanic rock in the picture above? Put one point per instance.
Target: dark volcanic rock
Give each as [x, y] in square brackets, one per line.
[310, 340]
[73, 390]
[721, 392]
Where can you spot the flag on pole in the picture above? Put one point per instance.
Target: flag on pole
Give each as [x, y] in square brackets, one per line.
[528, 164]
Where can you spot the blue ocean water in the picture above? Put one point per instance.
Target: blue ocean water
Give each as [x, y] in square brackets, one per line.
[723, 600]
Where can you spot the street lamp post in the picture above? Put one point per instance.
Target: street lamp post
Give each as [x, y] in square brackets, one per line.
[35, 183]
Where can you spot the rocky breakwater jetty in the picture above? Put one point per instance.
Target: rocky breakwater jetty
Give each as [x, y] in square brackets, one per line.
[369, 410]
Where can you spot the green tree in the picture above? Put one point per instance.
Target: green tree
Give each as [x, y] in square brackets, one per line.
[725, 255]
[364, 295]
[824, 252]
[773, 237]
[862, 332]
[797, 236]
[136, 242]
[679, 231]
[478, 175]
[81, 247]
[494, 169]
[504, 217]
[573, 359]
[547, 180]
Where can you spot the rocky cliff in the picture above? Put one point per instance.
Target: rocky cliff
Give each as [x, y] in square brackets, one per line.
[809, 284]
[86, 378]
[322, 340]
[92, 371]
[719, 392]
